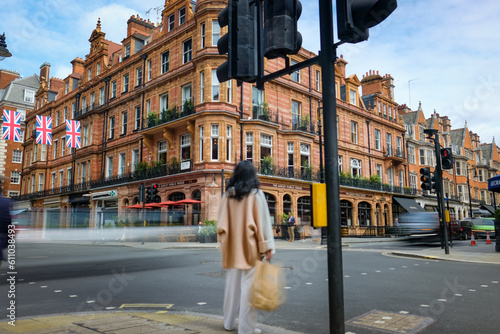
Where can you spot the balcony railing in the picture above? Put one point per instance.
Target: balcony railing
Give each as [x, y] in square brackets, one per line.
[169, 115]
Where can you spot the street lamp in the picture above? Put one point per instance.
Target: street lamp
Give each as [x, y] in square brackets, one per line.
[4, 53]
[468, 185]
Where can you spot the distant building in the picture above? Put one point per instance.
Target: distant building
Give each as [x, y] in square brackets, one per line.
[17, 94]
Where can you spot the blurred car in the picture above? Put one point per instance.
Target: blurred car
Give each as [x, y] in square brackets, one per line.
[464, 228]
[480, 226]
[420, 225]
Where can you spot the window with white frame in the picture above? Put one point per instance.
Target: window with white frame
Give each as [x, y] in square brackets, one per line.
[23, 114]
[89, 74]
[22, 136]
[430, 158]
[101, 96]
[150, 69]
[121, 164]
[305, 156]
[318, 81]
[399, 148]
[57, 118]
[124, 122]
[214, 143]
[83, 172]
[84, 106]
[390, 173]
[379, 171]
[138, 76]
[413, 181]
[17, 156]
[61, 178]
[65, 113]
[164, 102]
[40, 182]
[201, 143]
[32, 183]
[182, 15]
[340, 164]
[171, 22]
[389, 144]
[127, 50]
[111, 127]
[66, 88]
[109, 166]
[148, 106]
[63, 146]
[53, 180]
[296, 111]
[162, 152]
[266, 146]
[98, 68]
[15, 177]
[44, 152]
[354, 132]
[229, 87]
[186, 94]
[356, 167]
[137, 124]
[421, 153]
[215, 32]
[458, 166]
[186, 51]
[215, 86]
[411, 154]
[377, 140]
[202, 32]
[113, 89]
[249, 146]
[125, 83]
[135, 160]
[85, 141]
[295, 76]
[352, 96]
[186, 147]
[385, 110]
[229, 139]
[401, 178]
[165, 60]
[202, 86]
[56, 147]
[290, 152]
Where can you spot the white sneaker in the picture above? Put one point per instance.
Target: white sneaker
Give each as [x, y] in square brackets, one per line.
[257, 331]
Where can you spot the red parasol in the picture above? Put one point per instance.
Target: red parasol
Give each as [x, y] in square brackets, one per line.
[187, 201]
[135, 206]
[167, 203]
[153, 205]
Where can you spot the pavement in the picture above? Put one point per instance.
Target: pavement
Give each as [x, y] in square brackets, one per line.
[125, 321]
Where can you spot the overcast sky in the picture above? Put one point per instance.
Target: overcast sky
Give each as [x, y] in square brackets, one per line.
[443, 53]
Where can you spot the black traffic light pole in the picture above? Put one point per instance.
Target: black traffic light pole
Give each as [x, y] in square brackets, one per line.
[328, 55]
[438, 175]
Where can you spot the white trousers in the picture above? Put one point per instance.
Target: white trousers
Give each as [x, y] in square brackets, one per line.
[238, 284]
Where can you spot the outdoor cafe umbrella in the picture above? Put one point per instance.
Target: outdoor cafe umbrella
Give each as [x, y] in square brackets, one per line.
[167, 203]
[135, 206]
[153, 205]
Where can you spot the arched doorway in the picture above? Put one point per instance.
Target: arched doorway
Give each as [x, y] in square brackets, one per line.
[364, 214]
[175, 214]
[345, 213]
[304, 210]
[271, 203]
[196, 208]
[287, 205]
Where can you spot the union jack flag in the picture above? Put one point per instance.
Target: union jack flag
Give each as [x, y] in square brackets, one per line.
[43, 130]
[11, 125]
[73, 134]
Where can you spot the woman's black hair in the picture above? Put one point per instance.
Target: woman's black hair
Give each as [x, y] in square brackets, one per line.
[244, 179]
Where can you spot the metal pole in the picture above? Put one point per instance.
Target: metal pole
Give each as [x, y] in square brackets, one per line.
[335, 273]
[439, 190]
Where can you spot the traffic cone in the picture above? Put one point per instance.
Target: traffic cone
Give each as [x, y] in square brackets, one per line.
[488, 240]
[472, 241]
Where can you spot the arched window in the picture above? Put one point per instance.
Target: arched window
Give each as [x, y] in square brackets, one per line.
[287, 204]
[271, 203]
[304, 210]
[345, 213]
[364, 213]
[175, 214]
[356, 167]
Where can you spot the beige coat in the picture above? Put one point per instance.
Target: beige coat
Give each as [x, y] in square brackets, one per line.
[245, 230]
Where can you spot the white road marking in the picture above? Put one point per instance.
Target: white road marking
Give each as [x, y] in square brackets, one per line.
[377, 271]
[43, 286]
[309, 284]
[494, 282]
[73, 296]
[364, 274]
[442, 300]
[110, 308]
[90, 301]
[202, 303]
[392, 269]
[404, 312]
[416, 264]
[405, 266]
[472, 290]
[287, 287]
[347, 276]
[484, 286]
[32, 283]
[379, 322]
[57, 291]
[458, 294]
[387, 318]
[423, 305]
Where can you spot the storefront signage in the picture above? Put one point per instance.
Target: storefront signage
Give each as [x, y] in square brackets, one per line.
[179, 183]
[105, 194]
[285, 186]
[355, 194]
[185, 165]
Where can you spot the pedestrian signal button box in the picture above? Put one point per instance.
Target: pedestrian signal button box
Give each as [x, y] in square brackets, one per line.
[318, 195]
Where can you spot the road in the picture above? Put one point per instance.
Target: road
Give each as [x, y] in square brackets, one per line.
[448, 297]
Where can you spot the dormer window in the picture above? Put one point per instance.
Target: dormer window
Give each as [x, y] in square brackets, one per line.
[29, 96]
[127, 50]
[182, 15]
[98, 69]
[171, 22]
[66, 88]
[89, 74]
[352, 96]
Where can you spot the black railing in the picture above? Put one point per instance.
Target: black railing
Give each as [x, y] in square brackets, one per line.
[399, 153]
[169, 115]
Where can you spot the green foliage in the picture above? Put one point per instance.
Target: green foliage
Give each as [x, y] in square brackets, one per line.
[209, 228]
[304, 121]
[175, 163]
[283, 217]
[188, 107]
[497, 214]
[375, 178]
[266, 165]
[141, 166]
[152, 119]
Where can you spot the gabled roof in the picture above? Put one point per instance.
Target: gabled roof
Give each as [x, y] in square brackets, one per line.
[14, 92]
[410, 118]
[457, 137]
[487, 151]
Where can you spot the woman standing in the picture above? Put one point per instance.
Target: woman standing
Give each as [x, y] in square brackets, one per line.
[246, 236]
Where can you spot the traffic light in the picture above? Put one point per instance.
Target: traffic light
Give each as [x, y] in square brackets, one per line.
[240, 41]
[148, 195]
[141, 193]
[426, 178]
[446, 158]
[154, 194]
[355, 17]
[281, 37]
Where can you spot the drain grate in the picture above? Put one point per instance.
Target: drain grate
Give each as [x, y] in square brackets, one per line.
[390, 322]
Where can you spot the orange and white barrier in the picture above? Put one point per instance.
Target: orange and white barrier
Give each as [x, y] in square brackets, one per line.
[472, 241]
[488, 240]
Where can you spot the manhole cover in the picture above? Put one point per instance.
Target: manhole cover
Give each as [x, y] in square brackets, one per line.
[390, 322]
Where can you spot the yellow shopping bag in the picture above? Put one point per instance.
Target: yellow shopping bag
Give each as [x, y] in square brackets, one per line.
[267, 291]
